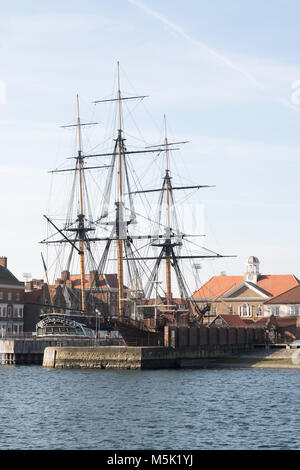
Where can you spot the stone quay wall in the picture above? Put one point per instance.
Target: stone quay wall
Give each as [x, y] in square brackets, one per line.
[137, 357]
[184, 347]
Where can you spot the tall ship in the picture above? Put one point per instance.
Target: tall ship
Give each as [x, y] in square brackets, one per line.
[132, 228]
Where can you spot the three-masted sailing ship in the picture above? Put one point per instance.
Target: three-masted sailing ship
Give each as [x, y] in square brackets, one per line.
[140, 318]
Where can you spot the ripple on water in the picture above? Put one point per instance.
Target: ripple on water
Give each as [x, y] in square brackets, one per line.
[176, 409]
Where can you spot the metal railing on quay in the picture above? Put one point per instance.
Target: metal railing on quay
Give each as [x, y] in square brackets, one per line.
[13, 335]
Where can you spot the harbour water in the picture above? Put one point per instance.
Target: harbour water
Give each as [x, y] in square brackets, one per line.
[157, 410]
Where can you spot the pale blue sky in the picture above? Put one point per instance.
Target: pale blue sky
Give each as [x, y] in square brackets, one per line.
[222, 72]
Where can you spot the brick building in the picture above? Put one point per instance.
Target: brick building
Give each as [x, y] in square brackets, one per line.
[246, 296]
[101, 295]
[11, 301]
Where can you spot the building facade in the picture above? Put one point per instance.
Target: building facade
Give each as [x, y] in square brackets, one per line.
[11, 302]
[284, 305]
[246, 296]
[65, 296]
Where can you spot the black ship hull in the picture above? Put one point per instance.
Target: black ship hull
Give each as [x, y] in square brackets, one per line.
[141, 333]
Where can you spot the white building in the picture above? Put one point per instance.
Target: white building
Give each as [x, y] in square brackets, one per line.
[284, 305]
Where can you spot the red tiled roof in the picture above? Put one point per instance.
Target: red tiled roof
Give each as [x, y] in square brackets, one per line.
[163, 300]
[234, 321]
[273, 284]
[287, 321]
[105, 281]
[291, 296]
[262, 321]
[278, 321]
[276, 284]
[217, 286]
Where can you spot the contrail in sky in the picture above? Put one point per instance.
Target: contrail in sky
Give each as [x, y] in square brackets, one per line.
[177, 29]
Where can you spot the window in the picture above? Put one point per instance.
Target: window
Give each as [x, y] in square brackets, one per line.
[9, 296]
[18, 297]
[230, 310]
[245, 310]
[294, 310]
[275, 311]
[259, 311]
[214, 310]
[1, 295]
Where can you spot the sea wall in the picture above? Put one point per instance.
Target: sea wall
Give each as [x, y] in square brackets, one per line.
[28, 351]
[135, 357]
[100, 357]
[22, 351]
[183, 347]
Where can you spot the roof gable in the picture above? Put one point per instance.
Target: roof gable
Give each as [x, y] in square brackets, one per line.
[246, 290]
[7, 277]
[233, 321]
[217, 286]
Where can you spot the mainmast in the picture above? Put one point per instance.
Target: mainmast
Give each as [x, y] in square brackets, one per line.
[119, 204]
[168, 228]
[81, 228]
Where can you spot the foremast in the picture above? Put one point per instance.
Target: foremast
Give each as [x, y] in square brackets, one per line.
[79, 228]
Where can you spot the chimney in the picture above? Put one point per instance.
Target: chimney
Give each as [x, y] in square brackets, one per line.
[3, 261]
[65, 276]
[93, 279]
[29, 286]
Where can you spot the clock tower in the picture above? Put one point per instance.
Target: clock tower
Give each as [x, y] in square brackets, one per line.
[252, 273]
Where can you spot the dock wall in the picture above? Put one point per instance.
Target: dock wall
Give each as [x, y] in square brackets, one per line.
[183, 347]
[135, 357]
[26, 351]
[19, 351]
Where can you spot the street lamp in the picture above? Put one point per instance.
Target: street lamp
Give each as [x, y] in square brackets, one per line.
[97, 314]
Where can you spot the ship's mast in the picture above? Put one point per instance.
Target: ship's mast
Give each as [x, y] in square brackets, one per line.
[81, 214]
[168, 238]
[119, 212]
